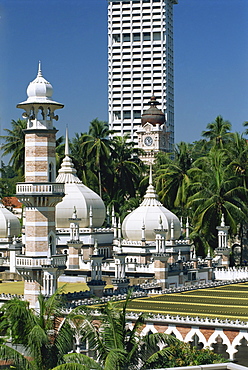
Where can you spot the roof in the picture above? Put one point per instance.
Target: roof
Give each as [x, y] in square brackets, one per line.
[222, 302]
[11, 202]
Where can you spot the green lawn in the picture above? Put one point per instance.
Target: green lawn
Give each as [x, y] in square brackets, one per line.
[18, 287]
[230, 301]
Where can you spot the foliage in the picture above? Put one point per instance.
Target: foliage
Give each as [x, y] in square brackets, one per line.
[41, 334]
[15, 145]
[8, 180]
[182, 354]
[116, 344]
[218, 132]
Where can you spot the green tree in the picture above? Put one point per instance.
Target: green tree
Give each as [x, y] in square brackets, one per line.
[182, 354]
[172, 180]
[218, 131]
[215, 190]
[40, 333]
[115, 345]
[97, 146]
[15, 145]
[126, 167]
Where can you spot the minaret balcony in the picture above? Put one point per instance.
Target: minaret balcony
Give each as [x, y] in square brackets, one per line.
[40, 189]
[33, 263]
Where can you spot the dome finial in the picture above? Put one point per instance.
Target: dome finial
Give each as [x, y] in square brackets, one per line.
[39, 70]
[67, 150]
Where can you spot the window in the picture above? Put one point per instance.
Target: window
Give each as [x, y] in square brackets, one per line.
[127, 114]
[117, 115]
[146, 36]
[136, 37]
[126, 37]
[156, 36]
[117, 37]
[136, 114]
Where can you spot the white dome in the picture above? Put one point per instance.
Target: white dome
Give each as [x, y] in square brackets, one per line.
[82, 198]
[78, 196]
[152, 214]
[39, 91]
[7, 217]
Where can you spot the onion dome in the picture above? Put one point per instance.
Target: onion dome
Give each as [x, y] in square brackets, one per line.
[153, 115]
[39, 91]
[9, 223]
[77, 195]
[151, 213]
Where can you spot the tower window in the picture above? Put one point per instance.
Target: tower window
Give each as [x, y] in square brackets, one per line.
[127, 114]
[156, 36]
[146, 36]
[117, 37]
[136, 114]
[136, 37]
[50, 173]
[126, 37]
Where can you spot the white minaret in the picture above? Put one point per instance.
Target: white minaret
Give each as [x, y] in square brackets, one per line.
[223, 250]
[222, 234]
[40, 266]
[140, 62]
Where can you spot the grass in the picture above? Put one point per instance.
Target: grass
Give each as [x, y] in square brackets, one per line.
[18, 287]
[230, 301]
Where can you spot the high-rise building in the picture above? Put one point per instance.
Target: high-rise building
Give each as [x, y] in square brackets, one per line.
[140, 62]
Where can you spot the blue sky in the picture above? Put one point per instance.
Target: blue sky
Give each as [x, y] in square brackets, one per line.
[70, 38]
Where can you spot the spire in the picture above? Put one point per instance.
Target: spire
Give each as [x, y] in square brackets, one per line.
[150, 175]
[67, 150]
[39, 74]
[67, 172]
[179, 258]
[143, 229]
[96, 250]
[222, 220]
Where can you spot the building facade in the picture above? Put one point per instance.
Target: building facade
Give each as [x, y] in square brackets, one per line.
[140, 62]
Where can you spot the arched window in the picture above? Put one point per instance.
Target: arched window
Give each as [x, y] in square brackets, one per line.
[51, 172]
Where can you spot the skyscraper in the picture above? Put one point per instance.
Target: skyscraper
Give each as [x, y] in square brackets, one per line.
[140, 62]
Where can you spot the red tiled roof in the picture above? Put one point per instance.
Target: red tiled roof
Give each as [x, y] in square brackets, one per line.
[11, 202]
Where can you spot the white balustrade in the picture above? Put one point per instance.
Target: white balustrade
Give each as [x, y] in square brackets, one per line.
[39, 188]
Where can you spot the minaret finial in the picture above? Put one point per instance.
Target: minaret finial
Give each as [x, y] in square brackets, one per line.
[150, 176]
[67, 150]
[39, 69]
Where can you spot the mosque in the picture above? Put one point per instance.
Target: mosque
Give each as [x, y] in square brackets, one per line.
[63, 236]
[63, 226]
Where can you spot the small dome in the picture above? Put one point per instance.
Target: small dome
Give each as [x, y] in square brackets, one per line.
[80, 196]
[77, 195]
[8, 218]
[153, 115]
[40, 91]
[39, 88]
[152, 214]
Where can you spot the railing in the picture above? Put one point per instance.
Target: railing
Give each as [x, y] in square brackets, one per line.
[39, 188]
[38, 262]
[231, 273]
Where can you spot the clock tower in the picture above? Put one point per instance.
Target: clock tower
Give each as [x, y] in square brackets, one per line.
[152, 135]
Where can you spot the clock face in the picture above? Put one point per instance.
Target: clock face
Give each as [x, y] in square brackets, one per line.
[148, 141]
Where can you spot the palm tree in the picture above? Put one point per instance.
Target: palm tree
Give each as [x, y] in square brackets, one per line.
[15, 145]
[114, 344]
[216, 190]
[245, 124]
[238, 154]
[218, 131]
[60, 151]
[126, 167]
[172, 179]
[43, 335]
[96, 143]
